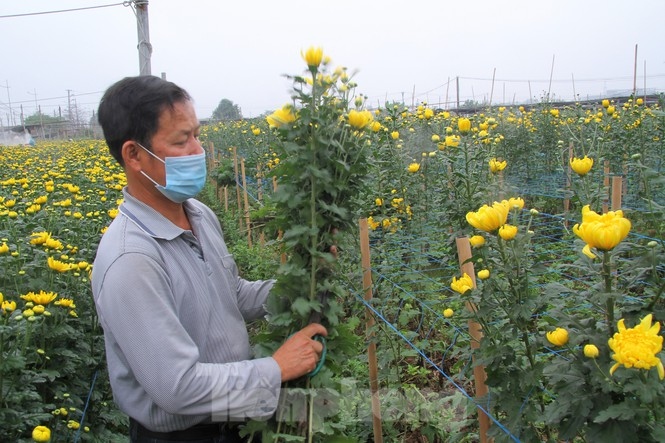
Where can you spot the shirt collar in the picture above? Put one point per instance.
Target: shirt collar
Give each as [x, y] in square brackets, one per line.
[152, 222]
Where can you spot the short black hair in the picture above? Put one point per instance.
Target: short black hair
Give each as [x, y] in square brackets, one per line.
[130, 110]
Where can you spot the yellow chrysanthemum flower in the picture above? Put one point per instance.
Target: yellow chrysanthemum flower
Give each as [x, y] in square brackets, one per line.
[581, 166]
[496, 165]
[376, 126]
[507, 232]
[464, 125]
[359, 119]
[462, 285]
[558, 337]
[41, 434]
[591, 351]
[39, 238]
[281, 117]
[484, 274]
[414, 167]
[58, 265]
[489, 218]
[42, 298]
[52, 243]
[313, 56]
[448, 312]
[4, 248]
[601, 231]
[8, 306]
[65, 303]
[637, 347]
[516, 203]
[373, 224]
[477, 241]
[452, 141]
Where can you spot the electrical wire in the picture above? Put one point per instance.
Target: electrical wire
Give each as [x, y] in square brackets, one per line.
[28, 14]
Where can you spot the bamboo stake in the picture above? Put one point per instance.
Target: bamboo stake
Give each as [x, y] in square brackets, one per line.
[235, 172]
[447, 89]
[246, 200]
[492, 90]
[369, 325]
[475, 331]
[635, 73]
[549, 88]
[566, 201]
[211, 154]
[617, 184]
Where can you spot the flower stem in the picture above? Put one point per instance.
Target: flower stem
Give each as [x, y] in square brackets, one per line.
[312, 201]
[607, 276]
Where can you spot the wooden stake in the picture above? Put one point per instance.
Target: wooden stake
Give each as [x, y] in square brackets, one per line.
[475, 331]
[235, 172]
[492, 90]
[617, 184]
[635, 73]
[549, 88]
[246, 200]
[369, 325]
[566, 201]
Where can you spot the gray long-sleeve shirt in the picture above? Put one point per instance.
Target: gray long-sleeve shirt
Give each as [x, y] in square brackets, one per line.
[173, 310]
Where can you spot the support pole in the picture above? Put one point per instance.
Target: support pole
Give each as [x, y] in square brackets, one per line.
[635, 73]
[369, 328]
[476, 333]
[566, 201]
[246, 200]
[143, 29]
[236, 173]
[617, 184]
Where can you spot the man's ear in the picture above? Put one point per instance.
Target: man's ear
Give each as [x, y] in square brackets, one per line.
[131, 153]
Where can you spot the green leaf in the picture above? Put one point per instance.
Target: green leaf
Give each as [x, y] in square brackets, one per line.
[303, 307]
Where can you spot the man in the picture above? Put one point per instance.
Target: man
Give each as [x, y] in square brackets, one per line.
[167, 292]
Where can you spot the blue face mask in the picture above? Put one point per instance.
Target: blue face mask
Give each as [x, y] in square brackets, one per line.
[185, 176]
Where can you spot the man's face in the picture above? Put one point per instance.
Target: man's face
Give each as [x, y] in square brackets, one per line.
[177, 135]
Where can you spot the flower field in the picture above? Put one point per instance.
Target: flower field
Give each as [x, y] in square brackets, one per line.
[566, 288]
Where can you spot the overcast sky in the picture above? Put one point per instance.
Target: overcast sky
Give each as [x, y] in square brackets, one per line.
[403, 50]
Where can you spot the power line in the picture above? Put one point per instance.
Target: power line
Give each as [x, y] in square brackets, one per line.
[125, 3]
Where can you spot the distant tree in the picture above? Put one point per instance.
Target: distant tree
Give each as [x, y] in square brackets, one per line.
[38, 119]
[227, 110]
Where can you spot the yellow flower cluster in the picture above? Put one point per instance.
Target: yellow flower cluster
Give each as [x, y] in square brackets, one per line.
[281, 117]
[638, 347]
[60, 266]
[489, 218]
[497, 166]
[581, 166]
[413, 168]
[602, 232]
[558, 337]
[41, 298]
[359, 119]
[462, 285]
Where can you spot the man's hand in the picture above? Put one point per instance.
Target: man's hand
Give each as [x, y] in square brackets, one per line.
[300, 354]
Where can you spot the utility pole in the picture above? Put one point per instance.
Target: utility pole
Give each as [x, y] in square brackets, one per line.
[144, 46]
[9, 100]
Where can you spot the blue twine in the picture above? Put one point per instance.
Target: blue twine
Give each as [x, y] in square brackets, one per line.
[428, 360]
[85, 409]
